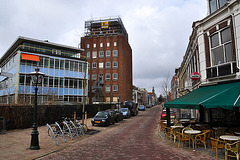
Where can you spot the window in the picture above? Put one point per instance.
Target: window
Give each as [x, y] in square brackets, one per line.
[108, 87]
[101, 54]
[108, 44]
[115, 76]
[51, 63]
[115, 44]
[66, 65]
[88, 66]
[115, 53]
[56, 80]
[56, 63]
[71, 65]
[101, 44]
[41, 62]
[216, 4]
[88, 45]
[108, 65]
[76, 66]
[115, 65]
[100, 65]
[94, 77]
[115, 88]
[108, 76]
[46, 62]
[88, 55]
[108, 53]
[94, 45]
[62, 64]
[94, 65]
[94, 54]
[221, 47]
[50, 81]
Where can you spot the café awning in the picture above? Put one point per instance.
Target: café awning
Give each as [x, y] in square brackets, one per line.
[225, 96]
[30, 57]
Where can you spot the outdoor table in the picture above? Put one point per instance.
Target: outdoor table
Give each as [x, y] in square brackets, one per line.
[192, 134]
[177, 126]
[237, 133]
[166, 122]
[229, 138]
[184, 120]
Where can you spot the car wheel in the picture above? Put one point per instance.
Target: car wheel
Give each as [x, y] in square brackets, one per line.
[113, 122]
[92, 124]
[106, 124]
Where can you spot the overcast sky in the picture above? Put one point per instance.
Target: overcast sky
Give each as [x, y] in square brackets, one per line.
[158, 30]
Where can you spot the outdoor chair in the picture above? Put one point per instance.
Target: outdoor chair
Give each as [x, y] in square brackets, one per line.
[201, 139]
[162, 126]
[183, 138]
[178, 124]
[167, 132]
[232, 150]
[217, 144]
[174, 133]
[186, 128]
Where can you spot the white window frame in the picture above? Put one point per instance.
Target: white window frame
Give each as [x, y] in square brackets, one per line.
[100, 65]
[115, 44]
[88, 55]
[108, 67]
[108, 53]
[115, 66]
[94, 54]
[108, 44]
[88, 45]
[94, 65]
[101, 44]
[115, 78]
[115, 53]
[94, 45]
[101, 54]
[115, 88]
[108, 78]
[94, 77]
[108, 89]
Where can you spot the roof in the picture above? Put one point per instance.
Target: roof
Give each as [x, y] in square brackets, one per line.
[21, 39]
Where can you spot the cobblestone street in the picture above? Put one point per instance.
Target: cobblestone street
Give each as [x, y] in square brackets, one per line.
[136, 138]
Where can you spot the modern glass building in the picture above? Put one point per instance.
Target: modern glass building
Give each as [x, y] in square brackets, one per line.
[63, 66]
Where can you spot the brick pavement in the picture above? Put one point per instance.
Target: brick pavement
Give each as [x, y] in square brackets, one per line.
[135, 138]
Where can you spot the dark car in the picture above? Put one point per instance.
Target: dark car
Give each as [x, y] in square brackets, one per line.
[118, 116]
[103, 118]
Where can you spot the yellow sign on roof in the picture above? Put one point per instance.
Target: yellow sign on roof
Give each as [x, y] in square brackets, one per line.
[104, 25]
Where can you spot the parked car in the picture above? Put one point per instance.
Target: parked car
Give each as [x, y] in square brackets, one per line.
[164, 114]
[148, 106]
[141, 108]
[103, 118]
[117, 115]
[126, 112]
[132, 106]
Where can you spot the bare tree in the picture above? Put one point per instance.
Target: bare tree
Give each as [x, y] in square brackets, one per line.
[166, 87]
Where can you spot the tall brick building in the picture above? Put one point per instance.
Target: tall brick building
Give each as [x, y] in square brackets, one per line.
[109, 58]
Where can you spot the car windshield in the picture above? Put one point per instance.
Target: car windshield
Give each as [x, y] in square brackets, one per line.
[141, 105]
[101, 114]
[124, 109]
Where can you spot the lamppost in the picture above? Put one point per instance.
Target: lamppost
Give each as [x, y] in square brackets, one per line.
[118, 97]
[36, 77]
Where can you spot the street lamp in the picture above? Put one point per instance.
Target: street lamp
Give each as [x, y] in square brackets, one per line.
[118, 97]
[36, 77]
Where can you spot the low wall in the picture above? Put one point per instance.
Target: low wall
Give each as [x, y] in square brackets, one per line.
[16, 117]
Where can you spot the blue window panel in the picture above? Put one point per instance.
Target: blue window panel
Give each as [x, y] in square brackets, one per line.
[51, 91]
[61, 73]
[75, 92]
[29, 90]
[60, 91]
[28, 69]
[71, 73]
[70, 91]
[45, 71]
[65, 91]
[57, 73]
[80, 92]
[39, 90]
[51, 72]
[55, 91]
[67, 74]
[12, 90]
[81, 75]
[75, 74]
[22, 69]
[45, 90]
[21, 89]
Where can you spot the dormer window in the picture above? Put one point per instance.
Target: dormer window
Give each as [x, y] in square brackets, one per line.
[216, 4]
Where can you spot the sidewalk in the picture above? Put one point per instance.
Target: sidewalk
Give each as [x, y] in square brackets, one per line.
[14, 144]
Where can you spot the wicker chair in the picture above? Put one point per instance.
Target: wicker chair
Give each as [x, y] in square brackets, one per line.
[232, 150]
[217, 144]
[201, 139]
[174, 133]
[167, 131]
[182, 137]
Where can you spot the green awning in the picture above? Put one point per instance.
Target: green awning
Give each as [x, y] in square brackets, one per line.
[226, 96]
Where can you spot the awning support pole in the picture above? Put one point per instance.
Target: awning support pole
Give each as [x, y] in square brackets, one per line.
[168, 117]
